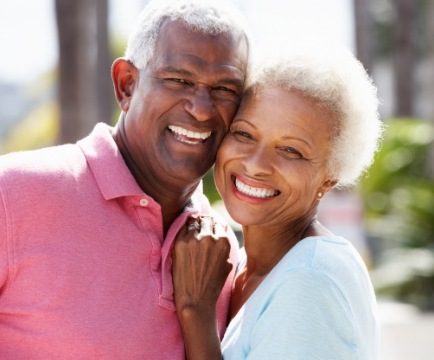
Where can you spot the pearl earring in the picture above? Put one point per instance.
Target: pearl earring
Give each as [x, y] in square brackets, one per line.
[320, 194]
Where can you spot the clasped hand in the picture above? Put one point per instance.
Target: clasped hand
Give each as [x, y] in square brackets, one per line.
[200, 264]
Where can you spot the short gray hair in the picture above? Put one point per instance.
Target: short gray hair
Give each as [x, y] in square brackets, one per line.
[207, 16]
[336, 80]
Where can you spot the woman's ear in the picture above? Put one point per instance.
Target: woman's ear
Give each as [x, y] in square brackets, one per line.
[327, 186]
[124, 75]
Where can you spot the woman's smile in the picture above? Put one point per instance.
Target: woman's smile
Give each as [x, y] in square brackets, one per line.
[254, 191]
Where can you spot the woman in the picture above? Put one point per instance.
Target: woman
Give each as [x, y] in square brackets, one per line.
[307, 123]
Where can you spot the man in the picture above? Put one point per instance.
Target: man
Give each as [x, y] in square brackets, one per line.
[86, 229]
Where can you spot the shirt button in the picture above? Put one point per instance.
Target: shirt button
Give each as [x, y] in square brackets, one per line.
[144, 202]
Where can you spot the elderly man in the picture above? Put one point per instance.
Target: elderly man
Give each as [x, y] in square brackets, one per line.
[86, 229]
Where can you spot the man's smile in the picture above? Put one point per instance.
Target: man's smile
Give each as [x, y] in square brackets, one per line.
[188, 136]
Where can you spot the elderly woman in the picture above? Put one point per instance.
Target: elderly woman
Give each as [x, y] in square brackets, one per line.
[308, 122]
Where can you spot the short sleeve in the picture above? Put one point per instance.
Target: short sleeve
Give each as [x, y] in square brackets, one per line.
[4, 263]
[305, 318]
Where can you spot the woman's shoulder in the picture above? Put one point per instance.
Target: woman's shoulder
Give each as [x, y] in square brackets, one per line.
[314, 250]
[331, 257]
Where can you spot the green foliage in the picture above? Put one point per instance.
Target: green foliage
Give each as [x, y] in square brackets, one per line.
[39, 129]
[209, 188]
[399, 184]
[407, 275]
[399, 200]
[117, 46]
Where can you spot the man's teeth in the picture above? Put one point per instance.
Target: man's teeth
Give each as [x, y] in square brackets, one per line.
[190, 134]
[253, 191]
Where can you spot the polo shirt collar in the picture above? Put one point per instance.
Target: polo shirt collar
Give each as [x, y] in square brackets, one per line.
[112, 175]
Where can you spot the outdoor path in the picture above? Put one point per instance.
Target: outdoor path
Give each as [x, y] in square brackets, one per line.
[407, 333]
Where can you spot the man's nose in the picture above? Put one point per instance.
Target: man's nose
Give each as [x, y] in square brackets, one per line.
[200, 104]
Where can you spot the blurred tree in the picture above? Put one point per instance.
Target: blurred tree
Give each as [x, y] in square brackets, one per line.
[398, 185]
[209, 188]
[399, 197]
[430, 49]
[85, 90]
[404, 55]
[364, 33]
[38, 129]
[402, 41]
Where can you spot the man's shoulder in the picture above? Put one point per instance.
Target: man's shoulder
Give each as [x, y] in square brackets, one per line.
[50, 162]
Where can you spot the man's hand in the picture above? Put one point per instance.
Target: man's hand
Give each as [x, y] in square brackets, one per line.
[200, 263]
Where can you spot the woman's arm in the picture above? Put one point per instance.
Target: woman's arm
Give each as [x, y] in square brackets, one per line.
[200, 268]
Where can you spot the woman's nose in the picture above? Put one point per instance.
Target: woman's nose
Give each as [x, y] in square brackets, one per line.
[259, 161]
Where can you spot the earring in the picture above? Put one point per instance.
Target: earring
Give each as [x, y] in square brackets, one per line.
[320, 195]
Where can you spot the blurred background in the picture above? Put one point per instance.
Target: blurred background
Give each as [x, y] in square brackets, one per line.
[55, 86]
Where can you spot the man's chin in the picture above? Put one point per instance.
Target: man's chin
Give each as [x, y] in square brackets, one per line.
[189, 172]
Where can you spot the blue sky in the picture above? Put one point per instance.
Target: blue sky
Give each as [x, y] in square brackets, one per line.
[28, 40]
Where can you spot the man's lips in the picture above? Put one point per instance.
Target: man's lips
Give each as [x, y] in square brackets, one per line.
[188, 136]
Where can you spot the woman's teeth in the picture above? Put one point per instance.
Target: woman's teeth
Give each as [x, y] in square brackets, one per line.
[254, 191]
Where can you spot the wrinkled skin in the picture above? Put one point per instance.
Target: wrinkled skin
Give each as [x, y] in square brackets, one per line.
[270, 168]
[200, 269]
[176, 111]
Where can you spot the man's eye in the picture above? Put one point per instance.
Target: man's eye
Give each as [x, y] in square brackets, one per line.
[177, 80]
[224, 88]
[226, 93]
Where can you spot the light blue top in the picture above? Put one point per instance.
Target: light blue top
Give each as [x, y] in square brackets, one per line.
[317, 303]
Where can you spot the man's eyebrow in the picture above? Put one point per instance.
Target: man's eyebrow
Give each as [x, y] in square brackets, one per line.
[173, 70]
[232, 81]
[239, 82]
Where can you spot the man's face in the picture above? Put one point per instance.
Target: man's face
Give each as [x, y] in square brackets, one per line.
[182, 104]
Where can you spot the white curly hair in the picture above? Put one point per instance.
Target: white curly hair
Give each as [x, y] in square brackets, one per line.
[208, 16]
[337, 81]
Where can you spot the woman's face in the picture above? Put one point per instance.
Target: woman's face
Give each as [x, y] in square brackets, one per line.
[272, 163]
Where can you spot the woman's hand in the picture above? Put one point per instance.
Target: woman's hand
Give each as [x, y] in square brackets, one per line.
[200, 268]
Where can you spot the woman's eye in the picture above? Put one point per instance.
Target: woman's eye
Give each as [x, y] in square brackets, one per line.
[241, 135]
[292, 153]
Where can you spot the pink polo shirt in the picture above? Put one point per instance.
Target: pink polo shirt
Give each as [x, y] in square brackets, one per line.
[84, 267]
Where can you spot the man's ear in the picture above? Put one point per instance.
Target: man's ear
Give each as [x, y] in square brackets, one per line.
[124, 75]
